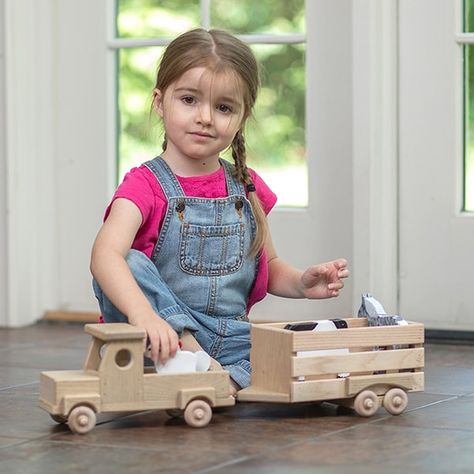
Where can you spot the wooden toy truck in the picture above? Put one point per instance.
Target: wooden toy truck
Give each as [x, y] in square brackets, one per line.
[380, 365]
[114, 379]
[374, 366]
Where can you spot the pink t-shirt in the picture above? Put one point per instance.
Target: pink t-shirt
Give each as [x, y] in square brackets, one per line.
[142, 188]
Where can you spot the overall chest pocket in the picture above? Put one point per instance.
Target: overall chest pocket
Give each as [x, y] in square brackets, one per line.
[211, 250]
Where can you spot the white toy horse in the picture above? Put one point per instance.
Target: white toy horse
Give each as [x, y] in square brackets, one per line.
[185, 362]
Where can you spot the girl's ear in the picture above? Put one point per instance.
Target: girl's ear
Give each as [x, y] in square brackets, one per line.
[158, 102]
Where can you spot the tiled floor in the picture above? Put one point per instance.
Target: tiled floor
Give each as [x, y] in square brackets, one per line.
[434, 435]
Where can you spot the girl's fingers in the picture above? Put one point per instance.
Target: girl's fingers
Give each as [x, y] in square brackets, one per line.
[336, 285]
[174, 343]
[341, 263]
[164, 348]
[155, 348]
[343, 273]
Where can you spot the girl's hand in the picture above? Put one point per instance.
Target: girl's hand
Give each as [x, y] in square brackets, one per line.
[162, 338]
[324, 280]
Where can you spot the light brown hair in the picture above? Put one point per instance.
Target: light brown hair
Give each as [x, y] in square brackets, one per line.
[220, 52]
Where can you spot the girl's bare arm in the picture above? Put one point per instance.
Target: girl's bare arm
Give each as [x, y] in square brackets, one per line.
[111, 271]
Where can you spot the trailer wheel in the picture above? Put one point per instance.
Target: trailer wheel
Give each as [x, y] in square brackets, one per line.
[198, 413]
[395, 401]
[366, 403]
[81, 419]
[60, 419]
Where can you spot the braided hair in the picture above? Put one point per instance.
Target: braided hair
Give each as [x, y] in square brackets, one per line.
[239, 154]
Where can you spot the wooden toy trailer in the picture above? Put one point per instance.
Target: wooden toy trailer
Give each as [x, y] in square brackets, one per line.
[380, 365]
[114, 379]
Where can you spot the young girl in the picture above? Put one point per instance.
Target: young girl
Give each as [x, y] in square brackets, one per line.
[184, 250]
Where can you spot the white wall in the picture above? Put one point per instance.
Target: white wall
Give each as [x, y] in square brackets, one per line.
[56, 152]
[81, 144]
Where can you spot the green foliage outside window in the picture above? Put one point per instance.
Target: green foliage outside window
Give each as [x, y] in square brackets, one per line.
[276, 134]
[469, 109]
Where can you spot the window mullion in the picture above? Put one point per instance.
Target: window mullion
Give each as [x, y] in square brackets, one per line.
[465, 38]
[206, 14]
[118, 43]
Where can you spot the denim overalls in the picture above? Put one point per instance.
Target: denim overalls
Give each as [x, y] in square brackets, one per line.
[200, 274]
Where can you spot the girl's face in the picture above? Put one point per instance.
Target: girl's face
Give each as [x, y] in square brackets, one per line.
[201, 111]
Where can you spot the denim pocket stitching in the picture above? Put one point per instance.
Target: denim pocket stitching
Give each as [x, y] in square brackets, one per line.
[196, 264]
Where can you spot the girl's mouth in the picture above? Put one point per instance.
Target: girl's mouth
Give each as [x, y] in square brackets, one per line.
[201, 134]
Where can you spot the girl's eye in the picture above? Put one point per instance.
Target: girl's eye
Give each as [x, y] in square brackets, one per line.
[224, 109]
[188, 99]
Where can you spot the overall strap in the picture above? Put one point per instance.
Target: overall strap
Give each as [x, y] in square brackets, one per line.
[165, 177]
[234, 187]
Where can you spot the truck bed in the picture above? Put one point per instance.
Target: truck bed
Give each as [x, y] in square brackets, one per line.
[377, 357]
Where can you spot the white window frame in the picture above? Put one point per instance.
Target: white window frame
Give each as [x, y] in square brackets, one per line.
[375, 152]
[3, 181]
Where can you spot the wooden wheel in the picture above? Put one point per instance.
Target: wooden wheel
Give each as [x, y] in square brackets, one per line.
[198, 413]
[395, 401]
[366, 403]
[81, 419]
[59, 418]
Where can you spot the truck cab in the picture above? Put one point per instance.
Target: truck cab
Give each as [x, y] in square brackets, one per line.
[114, 379]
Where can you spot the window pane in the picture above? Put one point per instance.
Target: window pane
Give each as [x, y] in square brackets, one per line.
[468, 16]
[264, 16]
[276, 138]
[469, 128]
[156, 18]
[139, 131]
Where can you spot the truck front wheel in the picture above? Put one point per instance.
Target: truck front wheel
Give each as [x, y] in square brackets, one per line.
[198, 413]
[81, 419]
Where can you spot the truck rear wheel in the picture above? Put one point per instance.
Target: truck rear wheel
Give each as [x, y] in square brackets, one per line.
[366, 403]
[395, 401]
[81, 419]
[198, 413]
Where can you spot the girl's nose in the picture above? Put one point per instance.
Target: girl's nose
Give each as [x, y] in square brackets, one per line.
[205, 115]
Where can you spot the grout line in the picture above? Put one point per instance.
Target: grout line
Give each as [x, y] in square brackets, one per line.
[226, 464]
[437, 402]
[3, 389]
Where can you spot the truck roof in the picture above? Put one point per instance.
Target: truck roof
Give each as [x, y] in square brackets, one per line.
[115, 331]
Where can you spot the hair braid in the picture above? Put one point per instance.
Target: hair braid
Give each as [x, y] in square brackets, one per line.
[239, 154]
